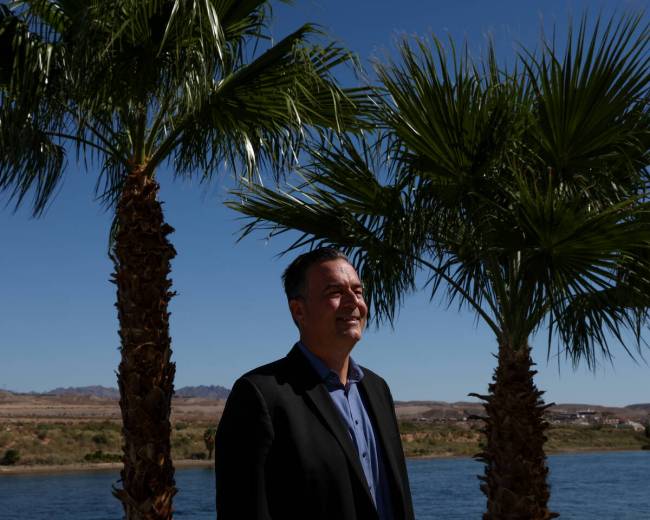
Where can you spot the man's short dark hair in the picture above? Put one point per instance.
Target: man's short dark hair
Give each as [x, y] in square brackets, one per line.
[294, 277]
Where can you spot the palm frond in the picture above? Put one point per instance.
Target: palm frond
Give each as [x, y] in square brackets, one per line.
[258, 115]
[31, 161]
[587, 323]
[449, 122]
[362, 217]
[590, 104]
[31, 156]
[134, 82]
[53, 16]
[569, 253]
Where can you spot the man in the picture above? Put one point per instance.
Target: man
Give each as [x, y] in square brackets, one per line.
[313, 435]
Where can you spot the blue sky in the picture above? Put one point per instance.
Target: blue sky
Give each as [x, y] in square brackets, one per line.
[57, 316]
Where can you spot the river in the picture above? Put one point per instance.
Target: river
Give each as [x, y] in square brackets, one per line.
[587, 486]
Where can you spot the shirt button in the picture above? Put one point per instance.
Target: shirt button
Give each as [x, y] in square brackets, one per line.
[356, 422]
[365, 454]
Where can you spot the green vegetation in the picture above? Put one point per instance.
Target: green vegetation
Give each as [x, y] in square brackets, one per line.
[100, 441]
[100, 456]
[199, 455]
[437, 440]
[100, 438]
[209, 437]
[462, 439]
[10, 458]
[86, 442]
[597, 437]
[646, 446]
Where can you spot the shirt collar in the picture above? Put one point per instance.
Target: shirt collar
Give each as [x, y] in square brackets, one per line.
[355, 374]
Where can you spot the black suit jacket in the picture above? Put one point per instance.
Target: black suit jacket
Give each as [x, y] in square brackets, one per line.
[284, 453]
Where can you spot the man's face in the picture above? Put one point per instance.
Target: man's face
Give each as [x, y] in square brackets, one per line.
[332, 313]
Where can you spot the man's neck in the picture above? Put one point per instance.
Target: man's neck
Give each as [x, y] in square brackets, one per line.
[335, 361]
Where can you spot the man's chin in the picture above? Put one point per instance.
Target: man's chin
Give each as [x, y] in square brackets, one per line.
[351, 336]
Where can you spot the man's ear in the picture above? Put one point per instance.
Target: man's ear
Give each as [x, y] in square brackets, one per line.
[297, 308]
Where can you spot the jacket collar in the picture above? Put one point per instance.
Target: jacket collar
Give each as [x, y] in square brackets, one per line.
[331, 378]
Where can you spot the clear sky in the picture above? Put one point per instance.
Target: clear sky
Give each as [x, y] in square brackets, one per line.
[57, 317]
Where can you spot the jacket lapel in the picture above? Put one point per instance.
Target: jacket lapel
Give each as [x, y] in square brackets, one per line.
[382, 416]
[317, 393]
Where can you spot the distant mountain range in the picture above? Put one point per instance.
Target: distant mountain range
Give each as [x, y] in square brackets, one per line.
[641, 406]
[206, 392]
[105, 392]
[87, 391]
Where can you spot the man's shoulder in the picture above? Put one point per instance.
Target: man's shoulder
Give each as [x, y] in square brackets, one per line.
[278, 381]
[267, 371]
[371, 376]
[374, 383]
[275, 374]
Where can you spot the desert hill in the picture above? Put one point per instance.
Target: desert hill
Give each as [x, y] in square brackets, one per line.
[204, 392]
[644, 407]
[105, 392]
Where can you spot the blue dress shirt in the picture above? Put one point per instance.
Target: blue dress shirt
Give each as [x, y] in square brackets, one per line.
[353, 412]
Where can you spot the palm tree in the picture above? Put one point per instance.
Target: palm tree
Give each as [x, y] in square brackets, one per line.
[521, 195]
[135, 85]
[208, 437]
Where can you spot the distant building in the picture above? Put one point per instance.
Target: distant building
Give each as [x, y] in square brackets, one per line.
[582, 417]
[589, 416]
[638, 427]
[561, 417]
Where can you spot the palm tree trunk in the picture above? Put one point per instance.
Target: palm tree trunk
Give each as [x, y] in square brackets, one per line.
[146, 374]
[515, 473]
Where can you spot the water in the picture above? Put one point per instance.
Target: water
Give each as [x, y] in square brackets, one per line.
[614, 485]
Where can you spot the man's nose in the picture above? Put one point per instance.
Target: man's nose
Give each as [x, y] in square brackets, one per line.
[350, 297]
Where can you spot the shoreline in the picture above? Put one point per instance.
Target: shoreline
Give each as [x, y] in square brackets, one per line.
[568, 451]
[188, 463]
[90, 466]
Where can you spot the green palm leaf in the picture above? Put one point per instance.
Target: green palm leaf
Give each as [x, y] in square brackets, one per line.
[590, 103]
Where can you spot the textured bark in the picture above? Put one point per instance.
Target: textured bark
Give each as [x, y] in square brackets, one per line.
[146, 374]
[515, 472]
